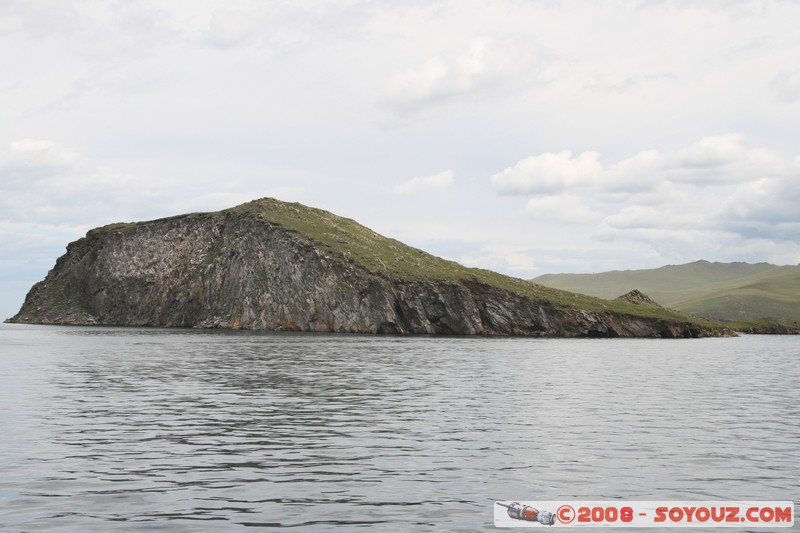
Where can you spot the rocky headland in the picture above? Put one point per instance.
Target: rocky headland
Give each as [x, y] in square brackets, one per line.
[271, 265]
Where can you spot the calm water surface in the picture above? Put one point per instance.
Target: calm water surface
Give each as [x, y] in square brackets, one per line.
[109, 429]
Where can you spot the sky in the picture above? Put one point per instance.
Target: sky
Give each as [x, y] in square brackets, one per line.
[522, 136]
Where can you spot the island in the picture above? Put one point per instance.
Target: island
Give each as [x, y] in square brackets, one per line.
[278, 266]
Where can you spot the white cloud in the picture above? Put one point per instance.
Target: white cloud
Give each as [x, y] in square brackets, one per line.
[712, 161]
[438, 181]
[723, 159]
[423, 83]
[637, 173]
[564, 209]
[786, 85]
[765, 208]
[668, 216]
[627, 83]
[33, 159]
[517, 259]
[484, 65]
[231, 27]
[20, 238]
[45, 182]
[549, 172]
[281, 24]
[712, 152]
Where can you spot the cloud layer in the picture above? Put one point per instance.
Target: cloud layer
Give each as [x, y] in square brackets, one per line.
[715, 193]
[576, 136]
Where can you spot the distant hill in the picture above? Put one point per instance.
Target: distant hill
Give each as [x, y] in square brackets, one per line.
[720, 291]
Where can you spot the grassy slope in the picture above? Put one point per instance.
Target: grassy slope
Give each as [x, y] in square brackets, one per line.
[729, 291]
[774, 295]
[392, 258]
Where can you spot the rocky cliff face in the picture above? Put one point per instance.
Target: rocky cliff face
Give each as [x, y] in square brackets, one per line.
[240, 269]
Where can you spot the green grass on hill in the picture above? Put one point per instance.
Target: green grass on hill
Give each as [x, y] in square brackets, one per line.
[391, 258]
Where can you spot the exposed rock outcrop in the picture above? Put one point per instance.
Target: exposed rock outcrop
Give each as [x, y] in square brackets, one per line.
[240, 268]
[637, 297]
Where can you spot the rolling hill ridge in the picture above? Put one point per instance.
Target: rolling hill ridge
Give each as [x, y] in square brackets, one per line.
[732, 292]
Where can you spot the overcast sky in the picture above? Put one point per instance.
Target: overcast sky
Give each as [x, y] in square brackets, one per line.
[518, 135]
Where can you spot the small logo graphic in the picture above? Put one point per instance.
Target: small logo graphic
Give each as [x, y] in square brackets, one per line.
[635, 513]
[527, 513]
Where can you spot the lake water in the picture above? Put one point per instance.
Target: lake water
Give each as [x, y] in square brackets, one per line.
[111, 429]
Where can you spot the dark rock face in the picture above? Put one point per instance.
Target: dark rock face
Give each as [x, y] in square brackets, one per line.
[234, 270]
